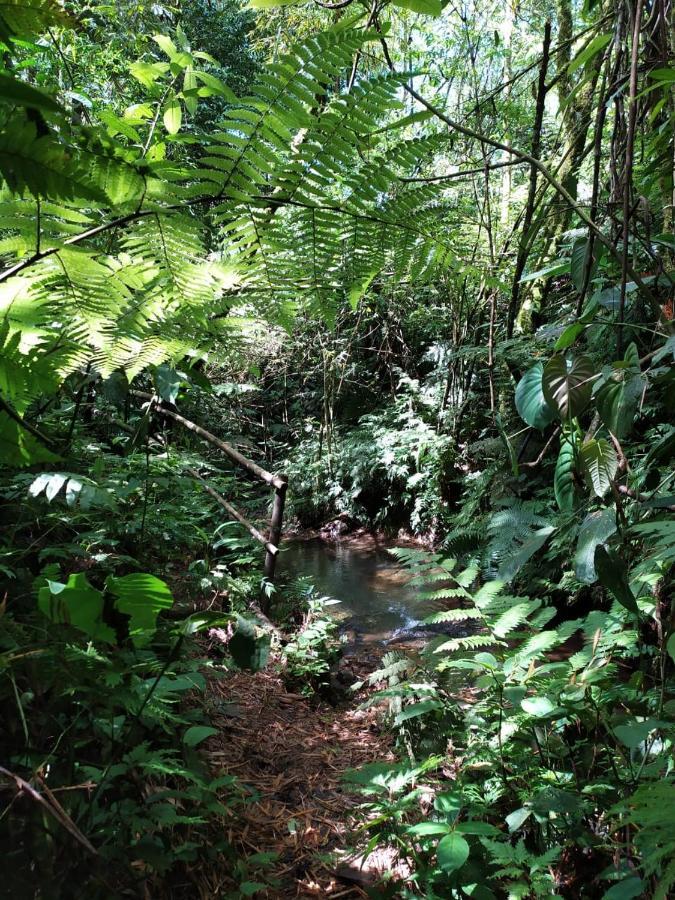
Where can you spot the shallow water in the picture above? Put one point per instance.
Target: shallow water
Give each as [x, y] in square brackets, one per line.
[376, 598]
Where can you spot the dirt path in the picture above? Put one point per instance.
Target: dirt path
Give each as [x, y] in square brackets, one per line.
[292, 752]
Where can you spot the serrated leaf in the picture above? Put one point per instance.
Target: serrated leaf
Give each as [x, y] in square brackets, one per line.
[600, 464]
[530, 401]
[166, 44]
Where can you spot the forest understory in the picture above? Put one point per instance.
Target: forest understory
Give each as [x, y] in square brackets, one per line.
[337, 382]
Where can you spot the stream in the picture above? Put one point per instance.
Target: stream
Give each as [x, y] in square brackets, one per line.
[376, 598]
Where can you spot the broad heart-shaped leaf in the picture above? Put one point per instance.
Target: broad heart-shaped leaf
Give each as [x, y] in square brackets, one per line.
[425, 7]
[617, 401]
[611, 572]
[595, 529]
[563, 478]
[142, 597]
[530, 402]
[76, 603]
[116, 388]
[600, 464]
[249, 649]
[452, 852]
[568, 384]
[168, 382]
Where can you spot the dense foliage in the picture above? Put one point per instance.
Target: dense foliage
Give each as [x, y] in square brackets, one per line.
[422, 258]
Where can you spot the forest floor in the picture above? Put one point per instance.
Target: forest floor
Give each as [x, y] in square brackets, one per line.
[292, 752]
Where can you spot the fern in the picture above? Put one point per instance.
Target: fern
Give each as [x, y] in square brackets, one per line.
[515, 535]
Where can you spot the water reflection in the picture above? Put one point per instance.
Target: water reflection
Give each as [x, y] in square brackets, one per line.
[376, 596]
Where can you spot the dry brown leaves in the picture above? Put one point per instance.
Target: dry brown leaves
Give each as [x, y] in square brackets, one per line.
[293, 753]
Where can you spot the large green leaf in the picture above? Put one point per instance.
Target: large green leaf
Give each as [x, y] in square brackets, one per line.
[76, 603]
[568, 384]
[28, 17]
[141, 597]
[167, 382]
[47, 168]
[425, 7]
[670, 646]
[173, 116]
[539, 706]
[198, 733]
[600, 463]
[598, 43]
[617, 401]
[595, 529]
[452, 852]
[530, 401]
[249, 647]
[18, 93]
[270, 4]
[563, 478]
[18, 448]
[611, 572]
[579, 261]
[628, 889]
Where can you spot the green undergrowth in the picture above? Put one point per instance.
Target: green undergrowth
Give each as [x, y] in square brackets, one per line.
[537, 753]
[105, 676]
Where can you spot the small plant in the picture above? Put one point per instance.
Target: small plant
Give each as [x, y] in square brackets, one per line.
[314, 649]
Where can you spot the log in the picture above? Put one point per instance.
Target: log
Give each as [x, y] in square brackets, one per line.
[275, 532]
[271, 548]
[234, 455]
